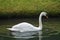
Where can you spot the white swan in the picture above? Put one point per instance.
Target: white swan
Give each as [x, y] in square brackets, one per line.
[24, 26]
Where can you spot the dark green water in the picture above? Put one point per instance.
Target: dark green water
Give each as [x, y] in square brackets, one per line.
[51, 29]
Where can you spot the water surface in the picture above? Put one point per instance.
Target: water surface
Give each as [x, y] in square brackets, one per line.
[51, 29]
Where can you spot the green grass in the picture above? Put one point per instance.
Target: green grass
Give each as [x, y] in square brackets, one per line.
[29, 6]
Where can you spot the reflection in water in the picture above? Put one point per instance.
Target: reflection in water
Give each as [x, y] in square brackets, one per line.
[55, 35]
[50, 35]
[27, 35]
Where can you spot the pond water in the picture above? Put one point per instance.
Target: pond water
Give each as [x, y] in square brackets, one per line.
[51, 29]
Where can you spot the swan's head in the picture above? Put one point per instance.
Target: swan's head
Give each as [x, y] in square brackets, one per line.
[44, 14]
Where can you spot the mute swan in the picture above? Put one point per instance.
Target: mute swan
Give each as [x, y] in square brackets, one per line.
[24, 26]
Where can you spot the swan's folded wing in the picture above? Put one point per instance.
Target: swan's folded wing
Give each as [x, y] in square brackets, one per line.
[24, 27]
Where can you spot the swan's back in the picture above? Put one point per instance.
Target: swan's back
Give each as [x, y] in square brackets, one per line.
[24, 27]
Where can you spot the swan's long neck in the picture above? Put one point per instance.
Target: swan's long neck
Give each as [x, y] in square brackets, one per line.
[40, 22]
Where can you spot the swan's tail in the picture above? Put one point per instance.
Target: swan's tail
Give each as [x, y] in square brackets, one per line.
[12, 29]
[8, 28]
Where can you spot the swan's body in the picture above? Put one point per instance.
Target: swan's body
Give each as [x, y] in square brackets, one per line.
[24, 26]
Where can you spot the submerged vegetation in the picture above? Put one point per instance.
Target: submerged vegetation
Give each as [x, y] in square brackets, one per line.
[16, 8]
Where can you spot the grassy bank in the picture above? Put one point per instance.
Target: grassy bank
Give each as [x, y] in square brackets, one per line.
[15, 8]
